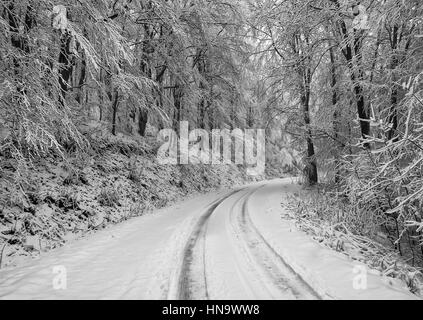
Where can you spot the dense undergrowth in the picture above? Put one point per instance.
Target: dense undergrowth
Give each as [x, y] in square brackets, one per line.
[376, 192]
[366, 236]
[48, 201]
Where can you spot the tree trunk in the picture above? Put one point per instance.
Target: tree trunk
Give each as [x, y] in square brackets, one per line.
[306, 75]
[311, 165]
[142, 122]
[351, 51]
[393, 114]
[201, 114]
[147, 51]
[82, 78]
[335, 114]
[18, 41]
[210, 113]
[393, 109]
[363, 114]
[66, 65]
[201, 62]
[158, 93]
[177, 102]
[115, 111]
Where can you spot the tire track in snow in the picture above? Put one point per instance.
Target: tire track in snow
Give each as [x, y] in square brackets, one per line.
[271, 271]
[259, 263]
[191, 282]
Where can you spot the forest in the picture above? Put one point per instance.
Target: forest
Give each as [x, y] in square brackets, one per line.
[337, 85]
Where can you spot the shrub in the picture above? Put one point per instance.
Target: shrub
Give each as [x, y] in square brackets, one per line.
[108, 197]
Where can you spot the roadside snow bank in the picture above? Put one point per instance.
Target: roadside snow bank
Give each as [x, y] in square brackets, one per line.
[57, 200]
[330, 273]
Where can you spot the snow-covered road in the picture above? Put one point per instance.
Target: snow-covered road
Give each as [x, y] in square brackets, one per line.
[226, 245]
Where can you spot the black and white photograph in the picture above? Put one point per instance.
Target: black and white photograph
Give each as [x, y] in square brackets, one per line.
[239, 152]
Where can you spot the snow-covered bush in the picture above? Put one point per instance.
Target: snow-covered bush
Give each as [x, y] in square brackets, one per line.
[342, 226]
[387, 181]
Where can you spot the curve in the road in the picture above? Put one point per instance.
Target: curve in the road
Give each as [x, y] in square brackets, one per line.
[259, 262]
[277, 276]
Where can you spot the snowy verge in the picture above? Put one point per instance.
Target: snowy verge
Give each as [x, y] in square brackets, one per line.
[332, 274]
[60, 200]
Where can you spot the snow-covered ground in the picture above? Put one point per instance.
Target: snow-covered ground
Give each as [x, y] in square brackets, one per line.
[226, 245]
